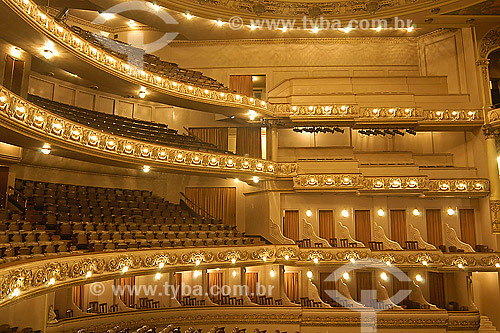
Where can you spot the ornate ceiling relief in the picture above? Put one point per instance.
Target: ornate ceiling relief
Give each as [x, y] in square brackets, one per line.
[490, 42]
[311, 9]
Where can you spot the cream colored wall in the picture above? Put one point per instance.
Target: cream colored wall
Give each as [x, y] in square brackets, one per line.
[486, 289]
[282, 59]
[79, 96]
[338, 202]
[6, 49]
[31, 313]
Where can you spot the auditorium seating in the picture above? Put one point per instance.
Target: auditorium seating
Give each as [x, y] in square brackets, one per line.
[126, 127]
[149, 62]
[63, 219]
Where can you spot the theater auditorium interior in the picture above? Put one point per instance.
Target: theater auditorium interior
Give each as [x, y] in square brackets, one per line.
[249, 166]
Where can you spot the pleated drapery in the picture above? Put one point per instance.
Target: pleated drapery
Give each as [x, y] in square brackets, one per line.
[326, 287]
[252, 278]
[78, 293]
[215, 135]
[219, 202]
[127, 286]
[436, 289]
[292, 286]
[363, 226]
[291, 224]
[242, 84]
[434, 227]
[326, 224]
[215, 283]
[363, 282]
[398, 226]
[178, 286]
[248, 142]
[467, 226]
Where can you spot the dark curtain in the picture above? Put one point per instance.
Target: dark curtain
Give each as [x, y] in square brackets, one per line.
[467, 226]
[398, 226]
[215, 279]
[398, 285]
[248, 142]
[127, 286]
[78, 293]
[215, 135]
[325, 286]
[326, 224]
[242, 84]
[363, 226]
[436, 289]
[219, 202]
[292, 286]
[434, 227]
[178, 286]
[291, 224]
[363, 282]
[251, 280]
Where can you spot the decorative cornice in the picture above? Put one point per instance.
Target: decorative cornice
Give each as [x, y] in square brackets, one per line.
[418, 184]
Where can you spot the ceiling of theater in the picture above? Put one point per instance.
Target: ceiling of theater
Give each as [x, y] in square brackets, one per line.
[426, 16]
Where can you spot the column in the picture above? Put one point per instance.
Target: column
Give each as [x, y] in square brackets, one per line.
[491, 150]
[274, 143]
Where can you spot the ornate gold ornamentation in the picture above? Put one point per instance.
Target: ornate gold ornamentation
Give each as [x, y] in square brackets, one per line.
[232, 254]
[495, 215]
[264, 254]
[316, 256]
[197, 257]
[490, 42]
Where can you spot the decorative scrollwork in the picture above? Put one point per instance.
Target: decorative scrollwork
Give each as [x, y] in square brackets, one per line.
[197, 257]
[232, 254]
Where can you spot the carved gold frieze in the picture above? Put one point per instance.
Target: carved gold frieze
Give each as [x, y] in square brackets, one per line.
[22, 278]
[344, 182]
[495, 216]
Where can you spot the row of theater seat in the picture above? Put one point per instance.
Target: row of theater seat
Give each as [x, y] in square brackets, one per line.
[149, 62]
[125, 127]
[53, 223]
[5, 328]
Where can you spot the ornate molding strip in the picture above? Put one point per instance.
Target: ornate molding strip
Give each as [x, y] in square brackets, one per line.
[26, 117]
[395, 115]
[350, 182]
[73, 43]
[26, 278]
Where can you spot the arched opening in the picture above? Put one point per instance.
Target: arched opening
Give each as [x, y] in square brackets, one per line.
[494, 70]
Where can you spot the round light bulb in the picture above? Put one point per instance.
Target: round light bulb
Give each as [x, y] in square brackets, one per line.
[346, 276]
[380, 212]
[309, 274]
[419, 278]
[416, 212]
[309, 213]
[384, 276]
[345, 213]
